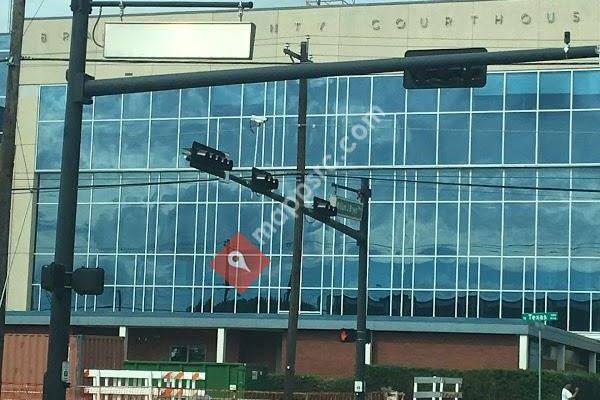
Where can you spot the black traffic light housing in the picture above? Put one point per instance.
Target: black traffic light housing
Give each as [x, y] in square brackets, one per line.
[324, 208]
[460, 76]
[209, 160]
[263, 182]
[83, 280]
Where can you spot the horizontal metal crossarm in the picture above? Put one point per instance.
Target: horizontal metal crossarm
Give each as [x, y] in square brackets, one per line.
[104, 87]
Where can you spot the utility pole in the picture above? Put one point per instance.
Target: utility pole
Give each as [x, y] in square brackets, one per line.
[7, 157]
[294, 305]
[361, 310]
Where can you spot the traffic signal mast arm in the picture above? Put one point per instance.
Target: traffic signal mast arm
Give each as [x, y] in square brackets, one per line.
[104, 87]
[353, 233]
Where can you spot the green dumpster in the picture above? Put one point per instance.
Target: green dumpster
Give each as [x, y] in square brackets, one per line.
[222, 380]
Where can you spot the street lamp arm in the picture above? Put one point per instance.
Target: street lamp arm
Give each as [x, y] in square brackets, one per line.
[104, 87]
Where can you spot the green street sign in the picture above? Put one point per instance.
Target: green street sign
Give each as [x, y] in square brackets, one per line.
[540, 317]
[347, 208]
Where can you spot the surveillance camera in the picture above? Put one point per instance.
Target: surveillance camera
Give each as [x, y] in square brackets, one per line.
[258, 120]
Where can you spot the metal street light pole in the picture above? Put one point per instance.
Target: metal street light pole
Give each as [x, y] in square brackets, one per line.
[57, 371]
[294, 305]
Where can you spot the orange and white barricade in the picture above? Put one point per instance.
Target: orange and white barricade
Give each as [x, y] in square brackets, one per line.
[147, 385]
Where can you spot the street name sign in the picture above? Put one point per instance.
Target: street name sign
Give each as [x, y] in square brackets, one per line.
[347, 208]
[540, 317]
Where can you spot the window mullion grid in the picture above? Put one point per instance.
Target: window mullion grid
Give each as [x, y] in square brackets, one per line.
[393, 248]
[158, 187]
[569, 264]
[175, 246]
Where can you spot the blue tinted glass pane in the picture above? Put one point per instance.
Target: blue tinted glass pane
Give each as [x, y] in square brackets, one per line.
[185, 230]
[291, 97]
[486, 222]
[166, 228]
[585, 136]
[586, 89]
[52, 102]
[132, 229]
[103, 228]
[486, 139]
[229, 137]
[137, 191]
[315, 141]
[584, 274]
[86, 138]
[422, 303]
[136, 105]
[519, 229]
[163, 144]
[380, 235]
[134, 144]
[125, 270]
[226, 100]
[106, 188]
[553, 137]
[454, 139]
[291, 140]
[553, 222]
[194, 102]
[165, 104]
[551, 274]
[359, 95]
[379, 272]
[489, 97]
[455, 99]
[49, 145]
[521, 91]
[317, 91]
[191, 130]
[388, 94]
[254, 99]
[424, 239]
[445, 277]
[519, 138]
[105, 145]
[420, 139]
[489, 304]
[422, 100]
[383, 139]
[555, 90]
[512, 274]
[107, 107]
[46, 228]
[356, 141]
[423, 273]
[489, 273]
[311, 271]
[585, 222]
[447, 229]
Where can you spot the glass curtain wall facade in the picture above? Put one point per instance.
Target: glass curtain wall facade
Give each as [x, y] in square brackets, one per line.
[458, 228]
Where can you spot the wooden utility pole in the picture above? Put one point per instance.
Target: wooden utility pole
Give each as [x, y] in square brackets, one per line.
[7, 157]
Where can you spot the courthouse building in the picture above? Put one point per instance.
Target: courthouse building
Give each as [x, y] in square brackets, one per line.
[461, 242]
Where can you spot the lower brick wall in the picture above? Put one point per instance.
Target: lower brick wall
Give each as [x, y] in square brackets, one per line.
[321, 352]
[443, 350]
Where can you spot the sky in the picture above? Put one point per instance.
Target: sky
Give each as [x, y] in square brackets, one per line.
[47, 8]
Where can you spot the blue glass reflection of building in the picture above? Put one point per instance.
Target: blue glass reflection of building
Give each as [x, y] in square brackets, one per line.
[457, 226]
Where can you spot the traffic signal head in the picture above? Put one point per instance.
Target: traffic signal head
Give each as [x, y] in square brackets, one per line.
[458, 76]
[324, 208]
[209, 160]
[263, 182]
[347, 335]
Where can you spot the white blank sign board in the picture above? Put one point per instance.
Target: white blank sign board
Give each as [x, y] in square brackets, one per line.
[210, 40]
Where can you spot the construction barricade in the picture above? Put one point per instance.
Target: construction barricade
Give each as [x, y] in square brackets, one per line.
[147, 385]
